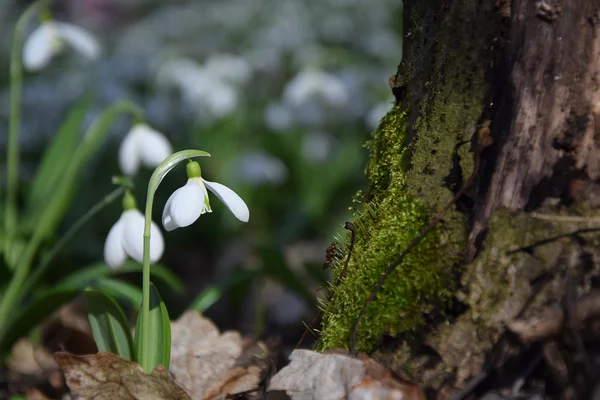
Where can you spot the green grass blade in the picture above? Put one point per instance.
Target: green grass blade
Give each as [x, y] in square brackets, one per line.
[159, 327]
[87, 275]
[45, 219]
[109, 325]
[57, 157]
[121, 290]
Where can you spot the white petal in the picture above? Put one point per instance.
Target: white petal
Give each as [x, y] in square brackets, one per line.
[79, 39]
[129, 159]
[133, 237]
[185, 205]
[234, 202]
[153, 146]
[114, 253]
[39, 48]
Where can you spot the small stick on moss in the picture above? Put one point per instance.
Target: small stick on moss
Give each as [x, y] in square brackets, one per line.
[352, 229]
[484, 140]
[566, 218]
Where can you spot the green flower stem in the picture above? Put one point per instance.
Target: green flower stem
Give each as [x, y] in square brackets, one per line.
[41, 269]
[14, 121]
[157, 176]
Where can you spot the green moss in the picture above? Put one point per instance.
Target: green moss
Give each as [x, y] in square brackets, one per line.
[385, 226]
[415, 149]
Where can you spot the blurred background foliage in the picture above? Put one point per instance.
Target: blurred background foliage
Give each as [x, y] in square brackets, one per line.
[282, 93]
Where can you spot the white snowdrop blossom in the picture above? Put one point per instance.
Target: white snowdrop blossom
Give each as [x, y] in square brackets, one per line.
[312, 83]
[143, 145]
[258, 168]
[190, 201]
[229, 68]
[212, 87]
[49, 39]
[126, 238]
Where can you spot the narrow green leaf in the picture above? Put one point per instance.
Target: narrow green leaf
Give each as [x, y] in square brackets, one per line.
[108, 324]
[121, 290]
[87, 275]
[43, 220]
[57, 156]
[212, 294]
[30, 316]
[159, 327]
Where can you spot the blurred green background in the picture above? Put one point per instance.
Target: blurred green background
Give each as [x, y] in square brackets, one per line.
[282, 93]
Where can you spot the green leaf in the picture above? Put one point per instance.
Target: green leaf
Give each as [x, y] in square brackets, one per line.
[56, 157]
[108, 323]
[121, 290]
[159, 327]
[212, 294]
[29, 317]
[43, 220]
[87, 275]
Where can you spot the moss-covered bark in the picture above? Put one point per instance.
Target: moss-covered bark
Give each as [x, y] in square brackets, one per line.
[418, 155]
[471, 65]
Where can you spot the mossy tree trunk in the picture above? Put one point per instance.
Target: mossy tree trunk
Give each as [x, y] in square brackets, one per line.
[524, 74]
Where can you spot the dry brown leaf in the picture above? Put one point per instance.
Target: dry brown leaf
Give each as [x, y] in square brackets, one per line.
[334, 376]
[105, 376]
[208, 364]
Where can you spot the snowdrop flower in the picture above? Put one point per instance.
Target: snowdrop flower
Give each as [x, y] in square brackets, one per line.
[49, 39]
[142, 145]
[229, 68]
[210, 88]
[258, 168]
[126, 237]
[311, 83]
[187, 203]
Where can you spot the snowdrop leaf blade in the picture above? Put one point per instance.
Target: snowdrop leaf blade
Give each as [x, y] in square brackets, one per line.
[51, 169]
[58, 203]
[123, 291]
[234, 203]
[109, 325]
[160, 326]
[114, 252]
[79, 39]
[88, 275]
[38, 48]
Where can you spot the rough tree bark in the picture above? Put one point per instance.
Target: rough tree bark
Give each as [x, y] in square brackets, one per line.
[525, 74]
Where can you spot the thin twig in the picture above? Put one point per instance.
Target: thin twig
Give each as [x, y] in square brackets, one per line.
[352, 229]
[542, 242]
[566, 218]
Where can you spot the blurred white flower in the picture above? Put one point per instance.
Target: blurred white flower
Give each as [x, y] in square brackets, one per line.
[190, 201]
[143, 145]
[49, 39]
[257, 168]
[311, 83]
[229, 68]
[209, 88]
[278, 117]
[126, 239]
[316, 146]
[376, 113]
